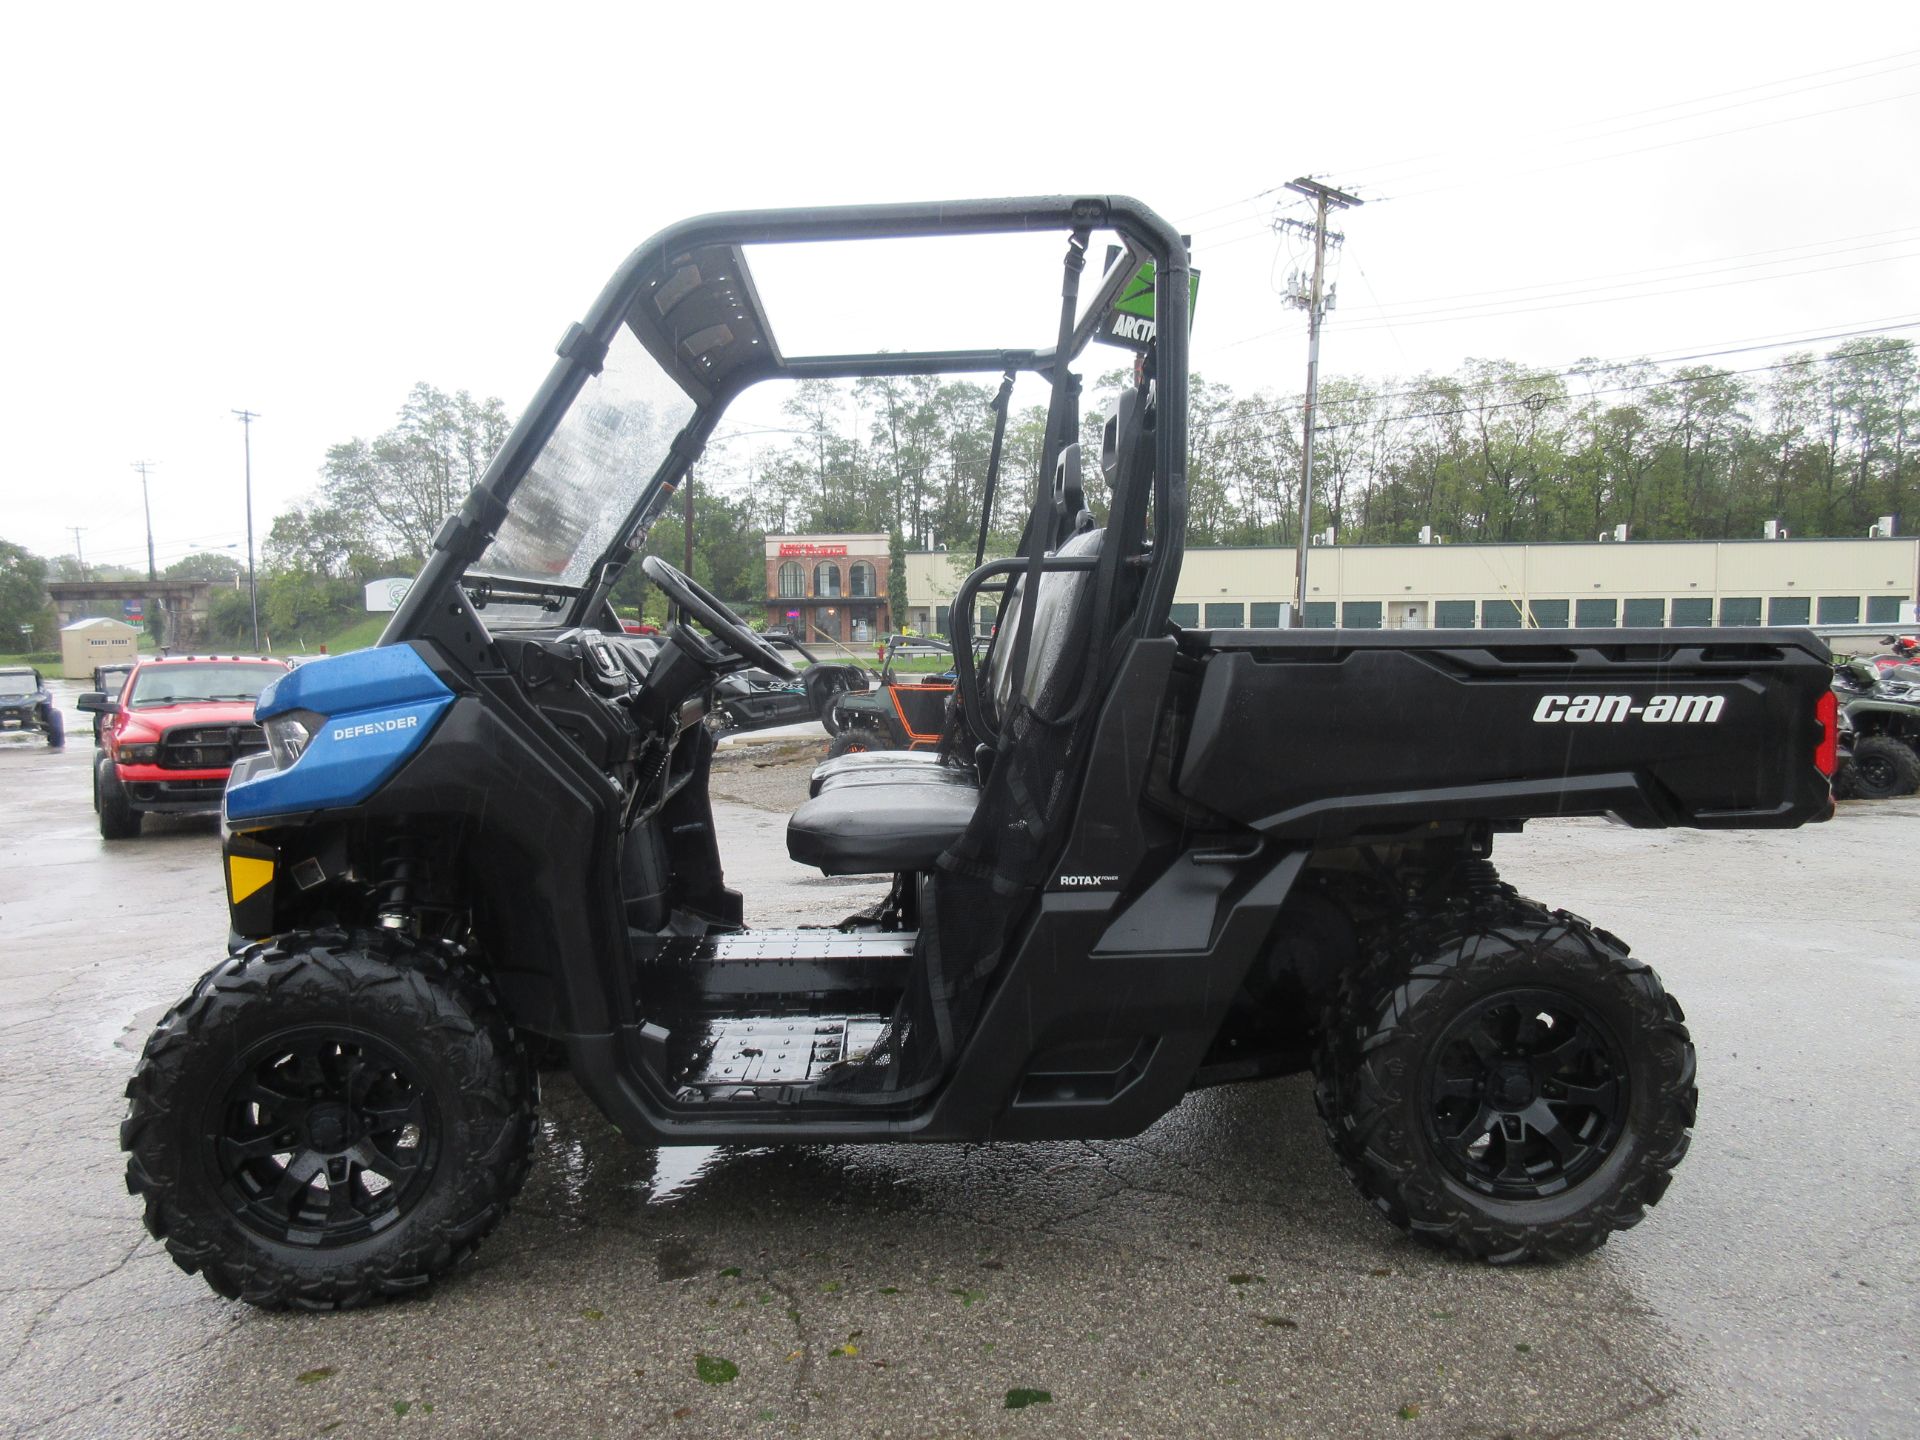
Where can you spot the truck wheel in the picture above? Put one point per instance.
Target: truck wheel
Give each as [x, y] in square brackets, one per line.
[1512, 1091]
[56, 729]
[854, 740]
[118, 819]
[329, 1118]
[1881, 768]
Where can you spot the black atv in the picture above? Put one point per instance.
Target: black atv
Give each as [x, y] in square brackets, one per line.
[753, 699]
[26, 704]
[1140, 862]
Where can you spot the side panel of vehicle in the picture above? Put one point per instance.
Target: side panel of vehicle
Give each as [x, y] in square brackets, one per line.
[1652, 727]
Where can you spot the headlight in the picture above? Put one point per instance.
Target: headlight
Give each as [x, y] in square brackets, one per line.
[139, 754]
[288, 734]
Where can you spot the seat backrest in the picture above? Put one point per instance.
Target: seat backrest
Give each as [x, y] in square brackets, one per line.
[1054, 607]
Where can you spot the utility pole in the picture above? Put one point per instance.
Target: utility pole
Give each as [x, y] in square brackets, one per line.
[77, 554]
[1312, 297]
[247, 417]
[146, 503]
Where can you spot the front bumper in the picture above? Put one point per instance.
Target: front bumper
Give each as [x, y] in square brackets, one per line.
[160, 791]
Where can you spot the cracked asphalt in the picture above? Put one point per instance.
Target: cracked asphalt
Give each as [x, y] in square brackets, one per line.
[1215, 1276]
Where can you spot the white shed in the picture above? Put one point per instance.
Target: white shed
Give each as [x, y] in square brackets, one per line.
[87, 643]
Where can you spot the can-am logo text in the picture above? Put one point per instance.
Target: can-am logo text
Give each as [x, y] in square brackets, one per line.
[1618, 709]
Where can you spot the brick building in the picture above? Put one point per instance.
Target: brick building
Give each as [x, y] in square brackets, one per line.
[828, 587]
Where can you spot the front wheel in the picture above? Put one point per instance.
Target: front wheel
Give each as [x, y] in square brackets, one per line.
[56, 729]
[1880, 768]
[1513, 1092]
[854, 740]
[118, 819]
[329, 1118]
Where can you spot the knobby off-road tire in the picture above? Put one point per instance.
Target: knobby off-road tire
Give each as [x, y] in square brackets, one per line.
[854, 740]
[328, 1119]
[118, 819]
[56, 729]
[1881, 767]
[1540, 1033]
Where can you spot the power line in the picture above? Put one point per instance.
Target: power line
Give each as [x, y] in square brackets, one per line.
[1607, 120]
[1835, 245]
[1662, 145]
[1460, 314]
[1464, 313]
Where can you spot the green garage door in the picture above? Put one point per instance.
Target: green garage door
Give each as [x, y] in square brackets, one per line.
[1646, 612]
[1500, 615]
[1266, 615]
[1789, 610]
[1693, 610]
[1319, 615]
[1360, 615]
[1225, 615]
[1453, 614]
[1548, 614]
[1740, 610]
[1839, 609]
[1883, 609]
[1184, 615]
[1596, 614]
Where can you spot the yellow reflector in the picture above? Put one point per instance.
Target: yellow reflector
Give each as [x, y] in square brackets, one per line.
[246, 875]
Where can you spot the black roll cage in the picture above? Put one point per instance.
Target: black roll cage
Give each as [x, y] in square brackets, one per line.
[665, 259]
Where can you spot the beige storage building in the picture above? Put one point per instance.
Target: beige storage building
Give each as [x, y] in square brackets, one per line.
[1582, 585]
[87, 643]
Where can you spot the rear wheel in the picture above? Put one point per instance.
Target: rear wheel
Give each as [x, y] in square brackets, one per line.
[118, 819]
[1880, 768]
[1513, 1090]
[328, 1119]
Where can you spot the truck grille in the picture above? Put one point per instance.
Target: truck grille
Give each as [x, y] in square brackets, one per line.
[209, 747]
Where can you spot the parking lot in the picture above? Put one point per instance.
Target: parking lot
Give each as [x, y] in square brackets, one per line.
[1214, 1276]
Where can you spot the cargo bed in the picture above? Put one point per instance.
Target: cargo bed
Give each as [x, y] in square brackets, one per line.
[1323, 734]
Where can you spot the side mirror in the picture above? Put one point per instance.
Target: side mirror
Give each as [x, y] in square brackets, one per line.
[97, 703]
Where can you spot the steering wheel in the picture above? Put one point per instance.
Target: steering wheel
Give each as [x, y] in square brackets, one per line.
[694, 600]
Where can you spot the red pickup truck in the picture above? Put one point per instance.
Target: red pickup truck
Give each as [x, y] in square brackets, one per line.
[172, 734]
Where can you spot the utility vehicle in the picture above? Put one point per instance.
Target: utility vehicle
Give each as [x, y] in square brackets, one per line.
[27, 704]
[1143, 861]
[751, 699]
[906, 711]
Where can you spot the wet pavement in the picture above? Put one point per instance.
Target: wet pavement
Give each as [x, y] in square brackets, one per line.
[1215, 1276]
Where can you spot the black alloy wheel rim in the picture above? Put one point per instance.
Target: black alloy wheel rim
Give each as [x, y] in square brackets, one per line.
[322, 1137]
[1876, 772]
[1526, 1094]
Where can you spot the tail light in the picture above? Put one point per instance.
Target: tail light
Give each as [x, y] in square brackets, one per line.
[1826, 755]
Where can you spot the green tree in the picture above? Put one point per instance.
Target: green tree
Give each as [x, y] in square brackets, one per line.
[213, 565]
[27, 621]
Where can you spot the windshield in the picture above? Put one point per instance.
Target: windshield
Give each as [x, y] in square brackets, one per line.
[566, 510]
[12, 685]
[186, 684]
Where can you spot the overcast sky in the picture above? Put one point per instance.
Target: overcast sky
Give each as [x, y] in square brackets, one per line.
[304, 210]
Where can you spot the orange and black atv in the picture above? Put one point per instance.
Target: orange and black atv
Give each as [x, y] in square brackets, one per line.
[907, 711]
